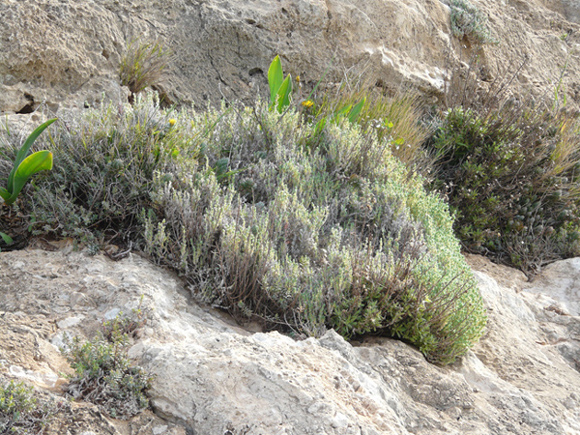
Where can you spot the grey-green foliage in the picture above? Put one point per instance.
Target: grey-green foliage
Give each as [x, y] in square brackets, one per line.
[104, 374]
[20, 411]
[106, 161]
[317, 229]
[468, 21]
[270, 217]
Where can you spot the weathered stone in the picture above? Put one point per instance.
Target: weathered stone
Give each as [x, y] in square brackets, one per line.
[213, 376]
[57, 54]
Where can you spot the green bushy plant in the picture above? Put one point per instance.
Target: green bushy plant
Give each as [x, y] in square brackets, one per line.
[107, 160]
[20, 411]
[270, 217]
[103, 373]
[511, 173]
[319, 228]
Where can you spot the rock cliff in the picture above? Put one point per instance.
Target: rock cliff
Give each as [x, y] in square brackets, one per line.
[68, 53]
[214, 377]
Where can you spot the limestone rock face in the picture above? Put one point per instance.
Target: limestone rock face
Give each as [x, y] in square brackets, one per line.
[213, 376]
[68, 53]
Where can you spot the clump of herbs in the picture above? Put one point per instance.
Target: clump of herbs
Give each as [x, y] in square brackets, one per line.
[270, 216]
[103, 373]
[467, 21]
[310, 228]
[510, 173]
[107, 160]
[21, 412]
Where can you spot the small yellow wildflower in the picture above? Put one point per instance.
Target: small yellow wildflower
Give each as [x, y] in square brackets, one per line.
[298, 78]
[172, 122]
[308, 103]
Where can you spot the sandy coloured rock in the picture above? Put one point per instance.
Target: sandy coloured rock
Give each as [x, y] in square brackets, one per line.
[62, 54]
[213, 375]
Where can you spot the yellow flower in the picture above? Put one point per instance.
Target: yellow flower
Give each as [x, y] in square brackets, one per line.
[308, 103]
[172, 122]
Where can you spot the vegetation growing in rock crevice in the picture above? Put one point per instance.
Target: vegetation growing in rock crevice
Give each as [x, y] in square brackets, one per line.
[270, 217]
[103, 373]
[21, 411]
[467, 21]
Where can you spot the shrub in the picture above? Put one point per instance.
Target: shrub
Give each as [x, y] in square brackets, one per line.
[467, 21]
[104, 375]
[398, 120]
[270, 217]
[20, 411]
[510, 174]
[314, 228]
[106, 162]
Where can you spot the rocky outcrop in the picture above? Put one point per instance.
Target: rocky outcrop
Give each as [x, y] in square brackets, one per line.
[213, 376]
[59, 54]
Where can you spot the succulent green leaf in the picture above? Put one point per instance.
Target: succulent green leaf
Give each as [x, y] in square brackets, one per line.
[7, 239]
[275, 78]
[283, 95]
[355, 112]
[32, 164]
[4, 194]
[24, 151]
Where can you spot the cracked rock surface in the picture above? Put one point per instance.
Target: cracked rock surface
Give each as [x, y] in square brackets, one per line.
[57, 54]
[213, 376]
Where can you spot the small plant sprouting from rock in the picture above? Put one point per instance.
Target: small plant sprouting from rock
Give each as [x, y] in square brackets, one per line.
[104, 375]
[469, 22]
[143, 65]
[25, 166]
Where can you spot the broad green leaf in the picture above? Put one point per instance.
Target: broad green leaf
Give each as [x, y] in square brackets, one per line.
[32, 164]
[4, 194]
[283, 95]
[353, 115]
[7, 239]
[275, 78]
[344, 110]
[24, 151]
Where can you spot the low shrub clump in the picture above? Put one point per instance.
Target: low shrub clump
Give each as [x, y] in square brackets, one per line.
[21, 413]
[304, 225]
[107, 160]
[104, 375]
[510, 174]
[313, 228]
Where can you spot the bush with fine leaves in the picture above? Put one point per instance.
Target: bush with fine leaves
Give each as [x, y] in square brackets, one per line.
[309, 229]
[269, 217]
[510, 174]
